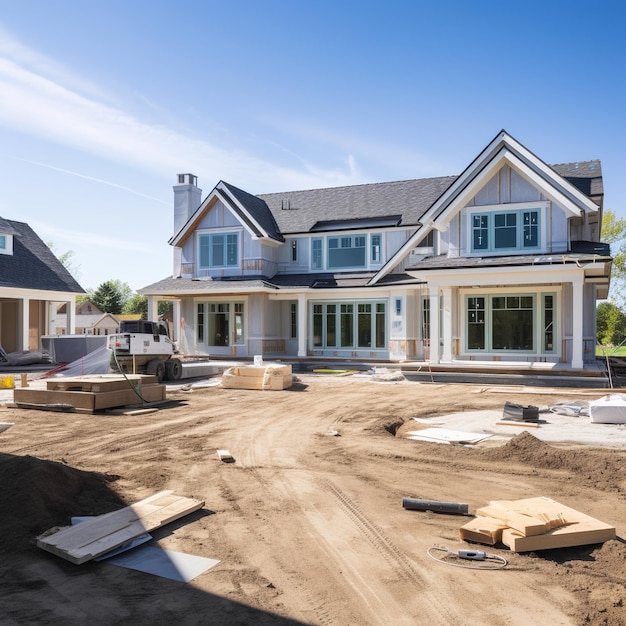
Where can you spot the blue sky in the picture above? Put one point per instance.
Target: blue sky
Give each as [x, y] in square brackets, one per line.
[103, 103]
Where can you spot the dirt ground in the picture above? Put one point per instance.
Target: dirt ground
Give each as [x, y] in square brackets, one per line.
[308, 522]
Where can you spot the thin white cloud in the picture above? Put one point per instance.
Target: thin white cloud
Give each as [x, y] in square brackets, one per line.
[91, 178]
[45, 102]
[91, 239]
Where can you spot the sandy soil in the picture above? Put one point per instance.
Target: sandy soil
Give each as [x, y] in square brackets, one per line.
[308, 521]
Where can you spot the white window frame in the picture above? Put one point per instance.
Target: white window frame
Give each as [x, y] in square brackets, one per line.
[319, 258]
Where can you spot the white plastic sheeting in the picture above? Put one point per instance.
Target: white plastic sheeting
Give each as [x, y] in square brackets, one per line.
[96, 362]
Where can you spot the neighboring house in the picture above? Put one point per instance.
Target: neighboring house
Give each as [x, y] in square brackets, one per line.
[500, 263]
[31, 278]
[89, 320]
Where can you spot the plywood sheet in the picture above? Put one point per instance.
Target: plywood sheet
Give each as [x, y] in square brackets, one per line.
[93, 538]
[483, 530]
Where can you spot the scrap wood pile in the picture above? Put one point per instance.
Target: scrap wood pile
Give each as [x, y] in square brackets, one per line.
[104, 533]
[271, 376]
[87, 394]
[534, 524]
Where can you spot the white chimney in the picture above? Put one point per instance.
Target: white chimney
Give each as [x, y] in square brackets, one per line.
[187, 198]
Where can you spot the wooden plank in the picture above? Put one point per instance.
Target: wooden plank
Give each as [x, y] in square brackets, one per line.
[586, 530]
[96, 384]
[523, 523]
[87, 400]
[513, 423]
[95, 537]
[226, 456]
[483, 530]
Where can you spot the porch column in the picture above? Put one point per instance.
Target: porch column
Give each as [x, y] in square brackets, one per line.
[22, 343]
[70, 318]
[176, 330]
[303, 331]
[153, 308]
[446, 323]
[577, 324]
[434, 324]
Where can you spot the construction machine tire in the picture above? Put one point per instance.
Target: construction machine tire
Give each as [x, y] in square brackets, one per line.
[156, 367]
[173, 369]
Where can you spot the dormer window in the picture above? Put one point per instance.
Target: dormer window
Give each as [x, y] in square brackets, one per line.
[505, 231]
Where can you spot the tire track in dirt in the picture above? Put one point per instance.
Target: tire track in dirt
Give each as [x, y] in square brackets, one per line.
[395, 557]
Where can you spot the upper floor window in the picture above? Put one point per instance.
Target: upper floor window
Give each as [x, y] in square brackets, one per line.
[505, 230]
[219, 250]
[3, 242]
[337, 252]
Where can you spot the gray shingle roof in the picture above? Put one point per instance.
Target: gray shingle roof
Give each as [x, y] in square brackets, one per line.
[32, 264]
[586, 176]
[299, 211]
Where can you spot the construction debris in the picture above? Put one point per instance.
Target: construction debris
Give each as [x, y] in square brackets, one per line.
[608, 409]
[225, 456]
[455, 508]
[104, 533]
[534, 524]
[87, 394]
[271, 376]
[518, 413]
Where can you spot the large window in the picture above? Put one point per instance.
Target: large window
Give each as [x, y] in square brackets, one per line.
[220, 323]
[337, 252]
[219, 250]
[509, 322]
[349, 325]
[3, 242]
[505, 230]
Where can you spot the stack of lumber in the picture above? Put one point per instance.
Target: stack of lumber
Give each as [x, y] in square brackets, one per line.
[272, 377]
[534, 524]
[104, 533]
[86, 394]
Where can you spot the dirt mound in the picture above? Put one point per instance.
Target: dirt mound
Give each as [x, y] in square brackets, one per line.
[36, 495]
[603, 468]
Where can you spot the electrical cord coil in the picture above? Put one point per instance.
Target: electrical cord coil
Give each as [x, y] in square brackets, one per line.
[497, 561]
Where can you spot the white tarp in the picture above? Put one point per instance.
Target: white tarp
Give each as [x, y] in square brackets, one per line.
[608, 409]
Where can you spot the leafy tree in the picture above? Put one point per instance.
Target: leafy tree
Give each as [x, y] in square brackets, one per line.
[610, 324]
[66, 260]
[139, 304]
[136, 304]
[111, 296]
[614, 233]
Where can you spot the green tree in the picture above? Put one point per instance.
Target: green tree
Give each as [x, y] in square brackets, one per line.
[614, 233]
[139, 304]
[111, 296]
[66, 260]
[610, 324]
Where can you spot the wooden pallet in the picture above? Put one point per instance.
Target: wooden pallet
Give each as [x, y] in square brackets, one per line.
[91, 393]
[104, 533]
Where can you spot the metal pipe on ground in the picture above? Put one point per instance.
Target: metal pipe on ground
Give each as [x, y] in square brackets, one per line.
[455, 508]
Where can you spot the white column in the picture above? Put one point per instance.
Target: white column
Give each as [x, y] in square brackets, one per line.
[434, 324]
[446, 323]
[577, 324]
[70, 319]
[25, 319]
[176, 330]
[153, 309]
[303, 331]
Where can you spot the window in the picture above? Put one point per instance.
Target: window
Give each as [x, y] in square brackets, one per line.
[548, 322]
[426, 318]
[346, 251]
[376, 255]
[200, 323]
[294, 250]
[293, 312]
[316, 254]
[428, 241]
[505, 230]
[505, 322]
[3, 242]
[350, 325]
[238, 322]
[219, 250]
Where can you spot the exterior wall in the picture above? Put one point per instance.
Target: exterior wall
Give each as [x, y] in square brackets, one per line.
[9, 320]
